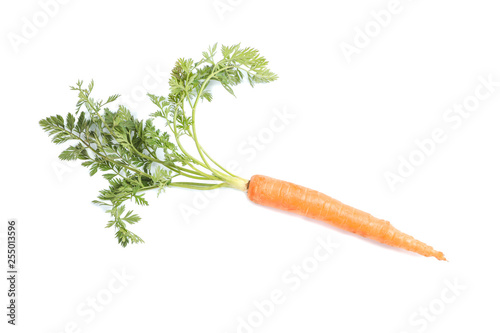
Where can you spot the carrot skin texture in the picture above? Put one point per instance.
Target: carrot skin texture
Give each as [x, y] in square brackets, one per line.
[301, 200]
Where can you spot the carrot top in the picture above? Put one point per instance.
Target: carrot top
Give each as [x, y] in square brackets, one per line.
[134, 155]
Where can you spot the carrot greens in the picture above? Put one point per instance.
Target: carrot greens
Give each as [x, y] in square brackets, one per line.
[134, 155]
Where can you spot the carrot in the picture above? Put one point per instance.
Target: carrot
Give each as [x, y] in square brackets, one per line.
[138, 157]
[301, 200]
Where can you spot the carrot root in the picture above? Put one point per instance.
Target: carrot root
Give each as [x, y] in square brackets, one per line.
[301, 200]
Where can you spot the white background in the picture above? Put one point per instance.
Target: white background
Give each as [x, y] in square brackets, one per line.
[352, 121]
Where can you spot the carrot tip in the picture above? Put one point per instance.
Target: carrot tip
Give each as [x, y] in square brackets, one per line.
[440, 256]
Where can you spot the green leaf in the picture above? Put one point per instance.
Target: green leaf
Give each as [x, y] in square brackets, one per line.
[131, 218]
[139, 199]
[94, 168]
[80, 125]
[70, 121]
[112, 98]
[109, 176]
[72, 152]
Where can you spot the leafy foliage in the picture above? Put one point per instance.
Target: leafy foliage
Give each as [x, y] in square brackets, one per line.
[133, 155]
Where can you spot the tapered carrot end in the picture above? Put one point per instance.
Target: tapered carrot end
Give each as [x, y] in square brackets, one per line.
[440, 256]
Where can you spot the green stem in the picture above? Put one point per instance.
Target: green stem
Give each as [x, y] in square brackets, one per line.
[217, 164]
[198, 186]
[184, 151]
[194, 135]
[204, 164]
[177, 139]
[180, 170]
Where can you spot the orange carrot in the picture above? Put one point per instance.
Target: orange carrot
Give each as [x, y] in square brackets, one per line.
[297, 199]
[129, 148]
